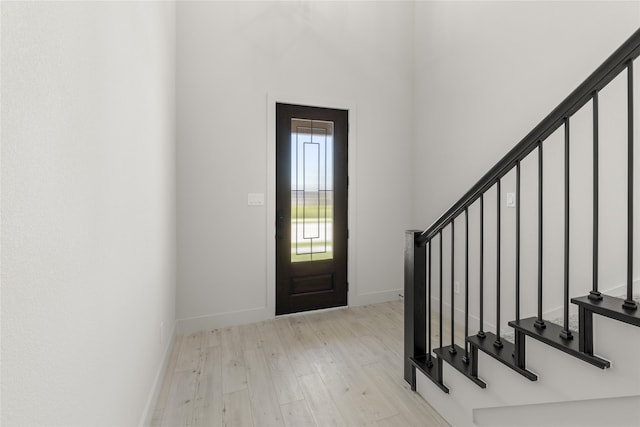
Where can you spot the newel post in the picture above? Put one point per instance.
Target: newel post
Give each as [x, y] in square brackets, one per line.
[415, 280]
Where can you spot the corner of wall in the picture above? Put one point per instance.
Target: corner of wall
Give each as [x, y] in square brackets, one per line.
[154, 393]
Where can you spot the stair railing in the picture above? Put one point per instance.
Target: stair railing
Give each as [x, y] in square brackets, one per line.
[419, 245]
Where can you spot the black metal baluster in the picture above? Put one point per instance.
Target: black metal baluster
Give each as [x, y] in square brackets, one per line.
[498, 342]
[481, 333]
[540, 322]
[565, 332]
[595, 294]
[429, 361]
[452, 349]
[465, 359]
[629, 303]
[518, 241]
[440, 308]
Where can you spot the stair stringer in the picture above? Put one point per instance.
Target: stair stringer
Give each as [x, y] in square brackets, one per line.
[561, 377]
[609, 412]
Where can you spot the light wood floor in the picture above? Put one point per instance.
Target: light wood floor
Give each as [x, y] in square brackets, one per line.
[338, 367]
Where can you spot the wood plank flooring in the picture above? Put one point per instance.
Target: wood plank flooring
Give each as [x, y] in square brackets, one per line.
[333, 368]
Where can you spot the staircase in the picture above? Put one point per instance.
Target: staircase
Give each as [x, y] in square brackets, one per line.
[479, 263]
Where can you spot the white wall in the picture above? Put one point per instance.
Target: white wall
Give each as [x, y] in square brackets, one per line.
[88, 222]
[234, 61]
[486, 73]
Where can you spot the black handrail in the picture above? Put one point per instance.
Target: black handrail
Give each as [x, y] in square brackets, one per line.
[606, 72]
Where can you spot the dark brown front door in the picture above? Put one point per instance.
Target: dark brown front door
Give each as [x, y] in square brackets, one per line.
[311, 208]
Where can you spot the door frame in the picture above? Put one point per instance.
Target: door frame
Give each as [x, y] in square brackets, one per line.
[270, 199]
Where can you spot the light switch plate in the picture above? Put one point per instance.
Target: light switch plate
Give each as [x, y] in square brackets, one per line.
[255, 199]
[511, 200]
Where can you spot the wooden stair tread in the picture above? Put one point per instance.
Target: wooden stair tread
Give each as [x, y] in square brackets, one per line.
[551, 336]
[505, 354]
[430, 370]
[455, 360]
[610, 307]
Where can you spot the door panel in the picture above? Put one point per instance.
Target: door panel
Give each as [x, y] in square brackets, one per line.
[311, 198]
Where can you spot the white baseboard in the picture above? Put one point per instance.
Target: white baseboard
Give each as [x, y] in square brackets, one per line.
[458, 313]
[377, 297]
[615, 291]
[147, 413]
[241, 317]
[222, 320]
